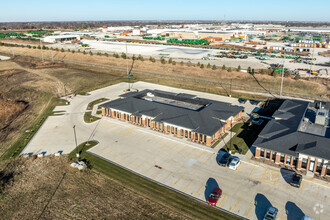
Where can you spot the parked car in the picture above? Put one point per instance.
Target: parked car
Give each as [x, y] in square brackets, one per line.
[242, 101]
[296, 180]
[306, 218]
[254, 102]
[224, 160]
[271, 213]
[234, 163]
[214, 196]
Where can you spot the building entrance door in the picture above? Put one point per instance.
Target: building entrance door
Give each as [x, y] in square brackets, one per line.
[311, 166]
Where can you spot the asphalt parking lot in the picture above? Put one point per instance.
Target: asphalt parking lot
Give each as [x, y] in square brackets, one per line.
[195, 172]
[182, 165]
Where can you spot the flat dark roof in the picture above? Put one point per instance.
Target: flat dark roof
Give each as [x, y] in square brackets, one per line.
[183, 110]
[284, 134]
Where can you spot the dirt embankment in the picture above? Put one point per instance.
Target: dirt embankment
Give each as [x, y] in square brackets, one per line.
[49, 188]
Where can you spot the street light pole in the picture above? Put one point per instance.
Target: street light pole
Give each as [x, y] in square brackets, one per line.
[282, 80]
[42, 54]
[75, 138]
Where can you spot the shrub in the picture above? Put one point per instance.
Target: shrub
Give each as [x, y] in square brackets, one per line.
[262, 71]
[140, 57]
[239, 68]
[72, 51]
[214, 67]
[62, 50]
[152, 59]
[202, 66]
[199, 64]
[181, 63]
[84, 52]
[105, 54]
[297, 77]
[162, 60]
[252, 72]
[223, 67]
[189, 63]
[123, 55]
[173, 63]
[116, 55]
[208, 65]
[91, 53]
[133, 57]
[286, 74]
[229, 69]
[29, 46]
[40, 47]
[98, 53]
[249, 70]
[78, 50]
[170, 60]
[56, 49]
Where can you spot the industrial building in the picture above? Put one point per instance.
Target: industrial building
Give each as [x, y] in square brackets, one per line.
[61, 38]
[183, 115]
[298, 136]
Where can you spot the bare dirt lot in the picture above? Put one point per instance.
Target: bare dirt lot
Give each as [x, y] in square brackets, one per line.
[316, 88]
[61, 192]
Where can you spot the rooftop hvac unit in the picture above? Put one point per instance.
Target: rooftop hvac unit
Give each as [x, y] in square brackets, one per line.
[321, 117]
[149, 94]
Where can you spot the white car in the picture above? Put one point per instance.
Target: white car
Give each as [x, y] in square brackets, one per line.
[234, 163]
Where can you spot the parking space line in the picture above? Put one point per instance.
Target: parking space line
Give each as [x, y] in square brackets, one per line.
[222, 200]
[187, 186]
[129, 163]
[302, 186]
[156, 174]
[239, 169]
[166, 143]
[282, 215]
[209, 158]
[148, 169]
[317, 193]
[167, 177]
[123, 159]
[200, 155]
[115, 156]
[236, 204]
[177, 181]
[251, 171]
[183, 148]
[287, 185]
[247, 214]
[139, 165]
[198, 190]
[171, 148]
[191, 151]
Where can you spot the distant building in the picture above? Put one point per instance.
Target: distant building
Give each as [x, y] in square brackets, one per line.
[61, 38]
[298, 137]
[199, 120]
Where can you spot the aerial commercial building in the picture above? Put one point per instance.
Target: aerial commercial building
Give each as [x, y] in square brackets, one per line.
[61, 38]
[183, 115]
[297, 137]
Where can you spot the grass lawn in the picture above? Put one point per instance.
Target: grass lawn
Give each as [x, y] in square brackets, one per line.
[97, 101]
[89, 118]
[187, 206]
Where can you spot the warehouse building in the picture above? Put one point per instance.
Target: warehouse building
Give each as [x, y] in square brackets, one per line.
[297, 137]
[61, 38]
[183, 115]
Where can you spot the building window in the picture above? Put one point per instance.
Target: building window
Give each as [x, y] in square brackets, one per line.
[282, 159]
[186, 133]
[294, 161]
[319, 165]
[196, 136]
[189, 134]
[124, 116]
[304, 163]
[175, 131]
[262, 152]
[200, 137]
[172, 130]
[273, 156]
[268, 154]
[288, 160]
[328, 170]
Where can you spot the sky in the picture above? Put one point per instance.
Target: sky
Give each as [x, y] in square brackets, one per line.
[100, 10]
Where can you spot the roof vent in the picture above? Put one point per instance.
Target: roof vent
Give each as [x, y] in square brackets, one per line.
[150, 94]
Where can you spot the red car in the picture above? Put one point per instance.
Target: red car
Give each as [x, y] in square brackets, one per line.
[214, 197]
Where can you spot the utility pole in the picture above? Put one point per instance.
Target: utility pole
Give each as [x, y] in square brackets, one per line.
[231, 81]
[75, 138]
[52, 56]
[129, 80]
[42, 54]
[282, 80]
